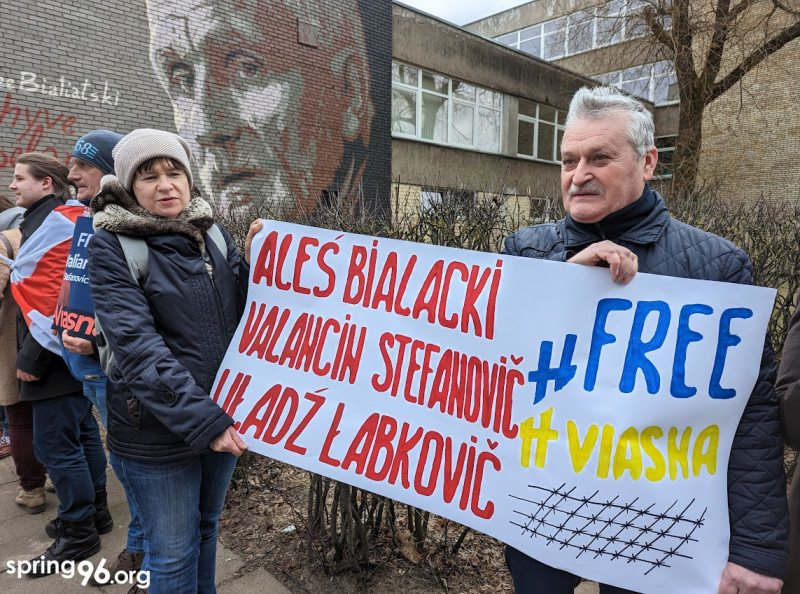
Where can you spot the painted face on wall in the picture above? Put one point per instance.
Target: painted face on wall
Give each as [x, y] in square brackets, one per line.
[268, 118]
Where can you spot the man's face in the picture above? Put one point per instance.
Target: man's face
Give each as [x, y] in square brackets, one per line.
[600, 172]
[27, 189]
[261, 127]
[86, 178]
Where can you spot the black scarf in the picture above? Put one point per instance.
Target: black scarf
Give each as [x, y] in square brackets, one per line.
[619, 222]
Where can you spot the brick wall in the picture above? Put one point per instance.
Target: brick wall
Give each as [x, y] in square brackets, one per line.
[751, 134]
[284, 104]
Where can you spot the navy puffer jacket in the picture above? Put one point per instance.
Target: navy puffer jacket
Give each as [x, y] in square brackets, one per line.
[756, 484]
[168, 337]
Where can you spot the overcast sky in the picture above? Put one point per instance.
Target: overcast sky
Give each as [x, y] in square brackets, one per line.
[462, 11]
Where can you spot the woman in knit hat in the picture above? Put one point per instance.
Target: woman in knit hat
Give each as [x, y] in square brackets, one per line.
[167, 322]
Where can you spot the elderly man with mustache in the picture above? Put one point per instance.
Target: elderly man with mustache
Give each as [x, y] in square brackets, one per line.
[615, 219]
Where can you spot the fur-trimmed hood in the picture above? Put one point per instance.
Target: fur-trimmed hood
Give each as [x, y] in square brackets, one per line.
[117, 211]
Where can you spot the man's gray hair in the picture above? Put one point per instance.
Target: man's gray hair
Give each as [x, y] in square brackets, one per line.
[600, 102]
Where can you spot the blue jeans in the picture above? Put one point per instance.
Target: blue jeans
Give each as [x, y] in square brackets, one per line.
[95, 391]
[180, 503]
[532, 577]
[66, 440]
[137, 543]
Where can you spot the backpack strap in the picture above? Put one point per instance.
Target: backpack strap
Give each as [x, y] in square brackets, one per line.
[215, 233]
[136, 255]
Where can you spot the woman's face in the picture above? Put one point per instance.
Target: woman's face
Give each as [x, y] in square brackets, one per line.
[162, 190]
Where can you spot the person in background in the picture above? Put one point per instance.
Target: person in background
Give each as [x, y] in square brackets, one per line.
[91, 159]
[65, 435]
[5, 438]
[787, 387]
[31, 473]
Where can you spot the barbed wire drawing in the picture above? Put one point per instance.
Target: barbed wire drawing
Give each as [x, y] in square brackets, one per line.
[614, 528]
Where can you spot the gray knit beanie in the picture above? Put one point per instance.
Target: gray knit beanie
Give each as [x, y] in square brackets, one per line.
[144, 144]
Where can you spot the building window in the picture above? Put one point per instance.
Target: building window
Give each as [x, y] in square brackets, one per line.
[554, 36]
[656, 82]
[581, 32]
[433, 107]
[530, 40]
[541, 129]
[430, 198]
[613, 22]
[610, 19]
[666, 151]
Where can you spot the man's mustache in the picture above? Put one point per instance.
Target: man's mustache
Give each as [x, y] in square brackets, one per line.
[591, 187]
[227, 168]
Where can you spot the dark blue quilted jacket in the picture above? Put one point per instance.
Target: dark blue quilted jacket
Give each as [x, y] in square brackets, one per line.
[168, 336]
[756, 484]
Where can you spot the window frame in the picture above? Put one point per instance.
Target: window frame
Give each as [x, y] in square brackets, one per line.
[668, 73]
[665, 149]
[596, 17]
[558, 124]
[451, 100]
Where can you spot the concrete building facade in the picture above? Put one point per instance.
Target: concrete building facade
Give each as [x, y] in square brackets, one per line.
[470, 114]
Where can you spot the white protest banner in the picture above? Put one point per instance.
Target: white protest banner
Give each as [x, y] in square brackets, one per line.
[585, 423]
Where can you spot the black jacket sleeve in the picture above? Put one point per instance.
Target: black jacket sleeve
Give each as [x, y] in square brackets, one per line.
[32, 357]
[149, 369]
[759, 516]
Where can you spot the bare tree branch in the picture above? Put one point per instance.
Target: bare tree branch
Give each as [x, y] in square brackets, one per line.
[684, 56]
[712, 44]
[657, 29]
[717, 45]
[738, 9]
[753, 59]
[783, 7]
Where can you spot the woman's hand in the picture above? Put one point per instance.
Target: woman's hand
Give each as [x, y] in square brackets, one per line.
[255, 227]
[229, 441]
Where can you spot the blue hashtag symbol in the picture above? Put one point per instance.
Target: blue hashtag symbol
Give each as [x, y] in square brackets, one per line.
[560, 375]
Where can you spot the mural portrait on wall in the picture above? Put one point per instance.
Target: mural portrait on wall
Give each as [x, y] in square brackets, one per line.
[276, 98]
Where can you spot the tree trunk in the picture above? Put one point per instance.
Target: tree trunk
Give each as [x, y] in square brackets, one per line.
[687, 149]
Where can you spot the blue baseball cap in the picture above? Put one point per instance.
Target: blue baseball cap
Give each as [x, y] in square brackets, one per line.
[95, 148]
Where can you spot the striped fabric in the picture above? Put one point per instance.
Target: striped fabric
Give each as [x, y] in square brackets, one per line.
[38, 271]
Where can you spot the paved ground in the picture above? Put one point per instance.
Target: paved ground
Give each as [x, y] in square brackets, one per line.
[22, 537]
